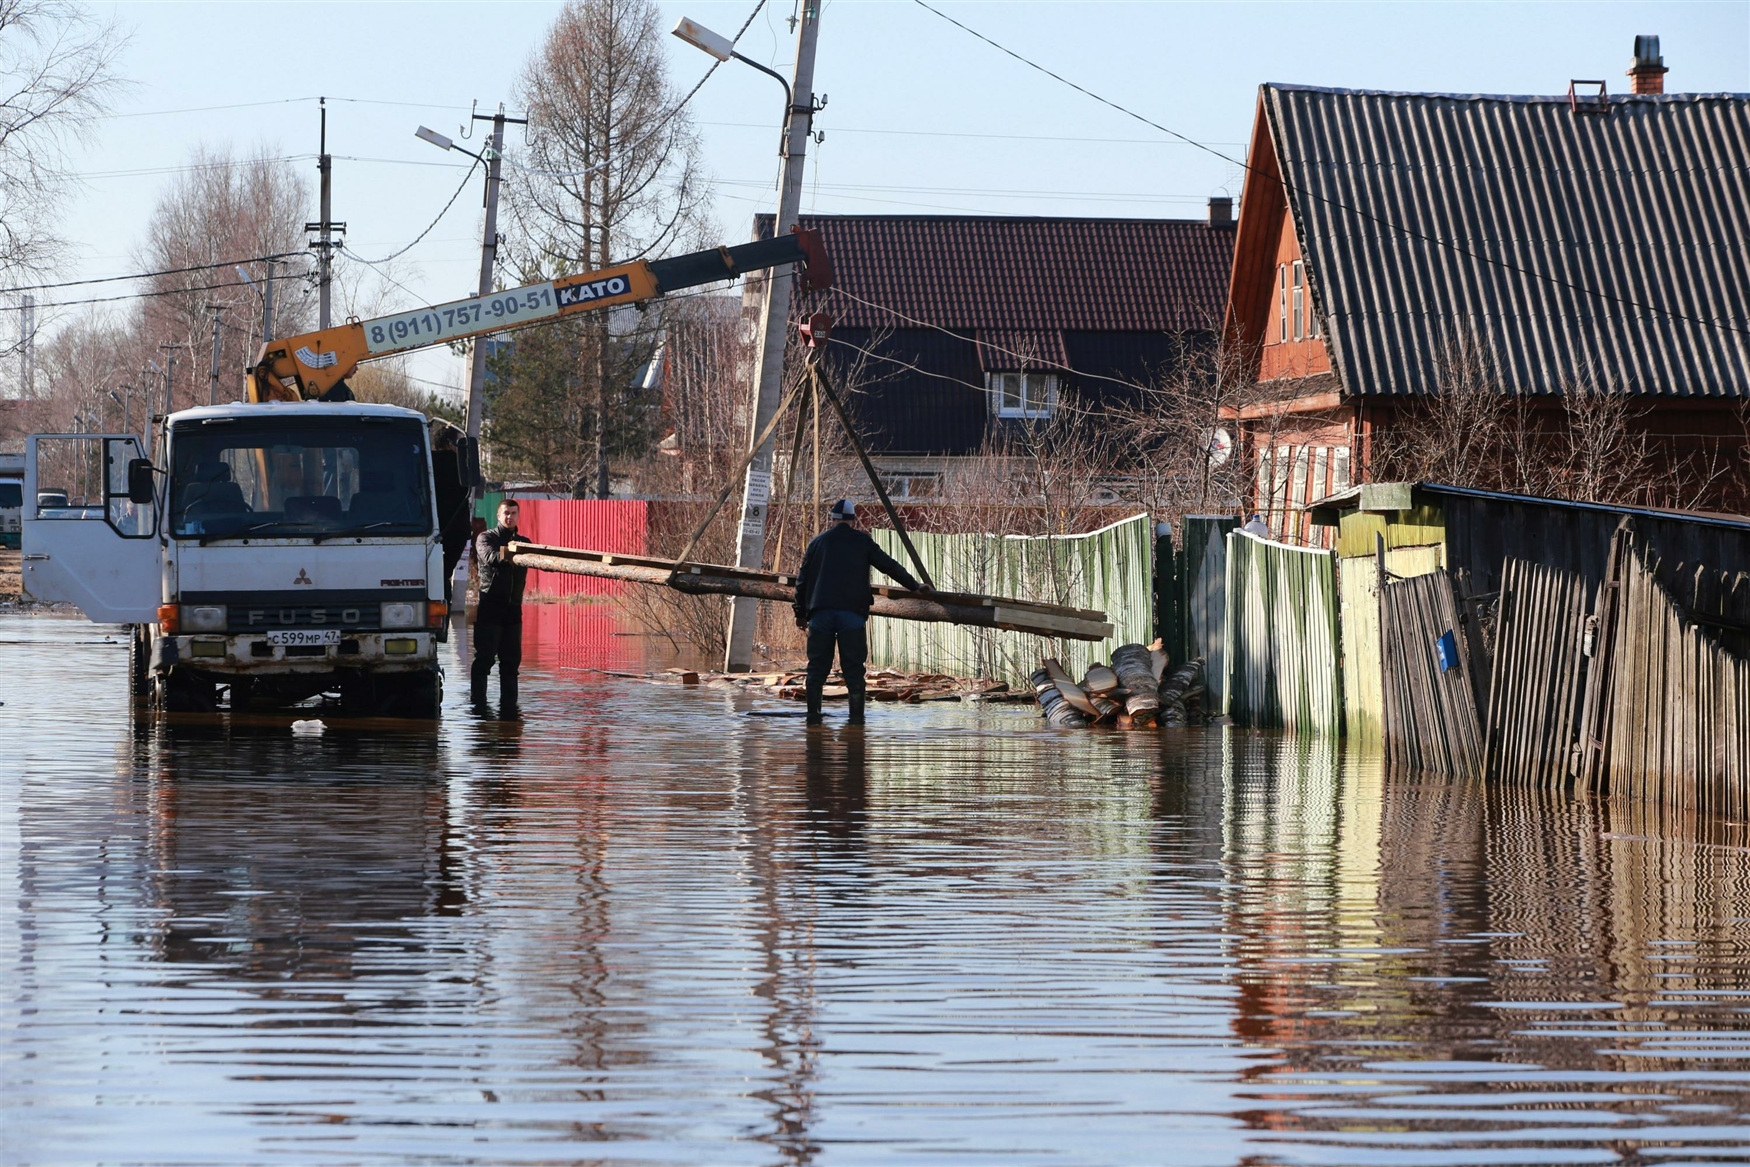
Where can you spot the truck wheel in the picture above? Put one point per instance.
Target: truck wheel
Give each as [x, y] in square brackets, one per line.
[178, 692]
[418, 695]
[139, 650]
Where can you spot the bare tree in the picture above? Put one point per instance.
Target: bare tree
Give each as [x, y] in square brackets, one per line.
[1606, 460]
[57, 75]
[1171, 430]
[611, 173]
[221, 209]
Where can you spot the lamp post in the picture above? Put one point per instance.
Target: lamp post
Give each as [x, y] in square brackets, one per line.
[124, 409]
[799, 108]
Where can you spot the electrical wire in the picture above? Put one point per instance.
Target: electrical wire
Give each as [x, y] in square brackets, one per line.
[428, 228]
[1388, 224]
[147, 275]
[660, 125]
[127, 296]
[1030, 359]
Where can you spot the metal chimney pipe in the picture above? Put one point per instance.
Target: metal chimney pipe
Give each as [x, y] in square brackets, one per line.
[1647, 74]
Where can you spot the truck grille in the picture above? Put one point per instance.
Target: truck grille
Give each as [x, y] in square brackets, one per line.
[350, 611]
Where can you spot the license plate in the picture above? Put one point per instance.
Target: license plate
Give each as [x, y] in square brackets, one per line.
[302, 636]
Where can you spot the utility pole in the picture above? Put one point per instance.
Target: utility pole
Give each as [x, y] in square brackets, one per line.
[325, 229]
[27, 347]
[169, 374]
[267, 306]
[488, 262]
[213, 391]
[774, 324]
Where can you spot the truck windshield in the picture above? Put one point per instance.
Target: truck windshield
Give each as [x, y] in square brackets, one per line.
[317, 477]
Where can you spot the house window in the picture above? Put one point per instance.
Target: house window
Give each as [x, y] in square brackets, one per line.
[1340, 469]
[1022, 394]
[1282, 301]
[1298, 309]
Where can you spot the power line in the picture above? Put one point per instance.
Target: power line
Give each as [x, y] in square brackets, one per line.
[1029, 359]
[1379, 220]
[130, 296]
[429, 227]
[172, 271]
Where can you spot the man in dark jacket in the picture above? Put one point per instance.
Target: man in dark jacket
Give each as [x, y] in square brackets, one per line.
[498, 620]
[832, 603]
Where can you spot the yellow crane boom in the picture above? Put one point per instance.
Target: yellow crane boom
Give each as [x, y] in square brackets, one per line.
[315, 365]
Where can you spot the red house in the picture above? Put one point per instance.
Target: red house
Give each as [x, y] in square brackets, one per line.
[1583, 233]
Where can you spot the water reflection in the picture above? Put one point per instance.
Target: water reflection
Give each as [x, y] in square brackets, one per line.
[641, 925]
[302, 857]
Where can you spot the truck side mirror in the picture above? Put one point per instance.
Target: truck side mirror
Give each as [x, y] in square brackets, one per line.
[468, 461]
[141, 488]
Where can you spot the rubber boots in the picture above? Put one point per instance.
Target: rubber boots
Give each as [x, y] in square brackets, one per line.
[856, 717]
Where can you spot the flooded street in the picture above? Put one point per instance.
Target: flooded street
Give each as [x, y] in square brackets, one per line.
[644, 927]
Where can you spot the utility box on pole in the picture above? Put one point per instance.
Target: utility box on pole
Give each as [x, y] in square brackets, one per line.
[773, 329]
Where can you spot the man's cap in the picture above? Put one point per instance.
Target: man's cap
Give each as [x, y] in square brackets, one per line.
[843, 509]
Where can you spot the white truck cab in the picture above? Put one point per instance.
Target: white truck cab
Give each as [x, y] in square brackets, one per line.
[269, 553]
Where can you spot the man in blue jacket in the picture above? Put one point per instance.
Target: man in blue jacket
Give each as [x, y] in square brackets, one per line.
[832, 603]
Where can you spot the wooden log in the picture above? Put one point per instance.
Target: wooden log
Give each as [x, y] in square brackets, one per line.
[897, 603]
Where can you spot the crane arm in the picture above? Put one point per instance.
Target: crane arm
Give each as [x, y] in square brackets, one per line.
[315, 365]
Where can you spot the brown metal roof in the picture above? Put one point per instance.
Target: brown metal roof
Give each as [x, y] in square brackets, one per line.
[978, 272]
[1618, 242]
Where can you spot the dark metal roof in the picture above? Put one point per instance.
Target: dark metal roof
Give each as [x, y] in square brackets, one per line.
[1616, 242]
[975, 272]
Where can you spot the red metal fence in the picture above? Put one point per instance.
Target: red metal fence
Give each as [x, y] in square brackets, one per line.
[618, 525]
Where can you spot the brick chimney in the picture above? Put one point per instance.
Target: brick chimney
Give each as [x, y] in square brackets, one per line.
[1647, 74]
[1221, 212]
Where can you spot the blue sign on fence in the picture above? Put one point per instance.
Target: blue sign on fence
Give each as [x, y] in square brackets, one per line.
[1447, 646]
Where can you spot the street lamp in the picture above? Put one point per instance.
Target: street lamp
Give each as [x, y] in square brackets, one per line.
[444, 143]
[126, 412]
[723, 49]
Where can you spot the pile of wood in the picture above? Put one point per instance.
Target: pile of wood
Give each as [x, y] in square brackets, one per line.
[882, 685]
[1140, 688]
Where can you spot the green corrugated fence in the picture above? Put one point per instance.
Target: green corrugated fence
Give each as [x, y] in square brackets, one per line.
[1282, 647]
[1110, 569]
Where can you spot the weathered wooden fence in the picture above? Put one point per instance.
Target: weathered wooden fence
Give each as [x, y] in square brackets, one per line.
[1282, 644]
[1110, 569]
[1675, 694]
[1203, 590]
[1429, 696]
[1536, 677]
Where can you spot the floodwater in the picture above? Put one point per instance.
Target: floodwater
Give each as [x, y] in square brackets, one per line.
[643, 927]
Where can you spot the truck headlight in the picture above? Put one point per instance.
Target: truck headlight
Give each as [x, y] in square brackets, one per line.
[203, 617]
[403, 614]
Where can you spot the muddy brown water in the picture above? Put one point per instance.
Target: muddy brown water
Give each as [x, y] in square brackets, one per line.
[642, 927]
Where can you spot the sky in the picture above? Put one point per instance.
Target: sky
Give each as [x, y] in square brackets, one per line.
[920, 118]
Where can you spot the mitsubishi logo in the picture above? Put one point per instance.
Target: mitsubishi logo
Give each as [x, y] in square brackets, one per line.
[303, 578]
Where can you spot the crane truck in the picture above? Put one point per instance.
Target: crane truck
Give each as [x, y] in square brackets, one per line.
[287, 545]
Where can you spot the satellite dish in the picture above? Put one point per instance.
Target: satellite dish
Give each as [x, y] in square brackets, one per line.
[1220, 445]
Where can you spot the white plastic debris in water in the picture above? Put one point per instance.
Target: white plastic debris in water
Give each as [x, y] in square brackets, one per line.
[309, 726]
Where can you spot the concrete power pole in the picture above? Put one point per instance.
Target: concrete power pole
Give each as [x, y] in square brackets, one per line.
[488, 262]
[489, 259]
[774, 324]
[213, 390]
[27, 348]
[325, 229]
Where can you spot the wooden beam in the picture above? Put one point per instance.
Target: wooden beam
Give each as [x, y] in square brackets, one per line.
[898, 603]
